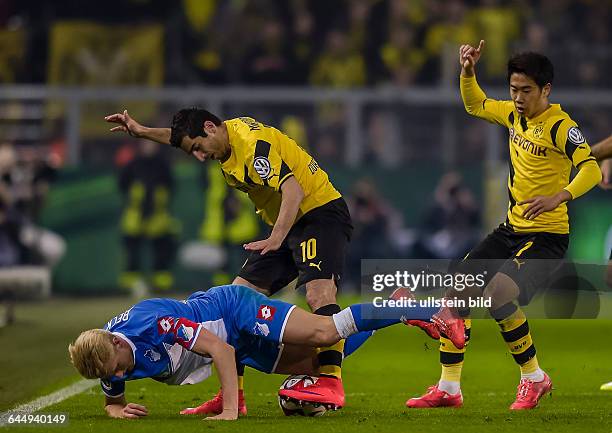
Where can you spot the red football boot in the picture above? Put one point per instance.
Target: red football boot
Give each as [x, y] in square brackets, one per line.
[530, 392]
[215, 406]
[327, 391]
[435, 397]
[428, 327]
[450, 324]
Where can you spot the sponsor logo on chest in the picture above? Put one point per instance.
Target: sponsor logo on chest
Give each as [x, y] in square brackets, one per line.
[528, 146]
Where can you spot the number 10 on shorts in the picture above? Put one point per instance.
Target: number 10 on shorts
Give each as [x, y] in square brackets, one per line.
[309, 249]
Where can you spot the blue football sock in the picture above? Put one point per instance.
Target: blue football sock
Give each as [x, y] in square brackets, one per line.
[355, 341]
[368, 316]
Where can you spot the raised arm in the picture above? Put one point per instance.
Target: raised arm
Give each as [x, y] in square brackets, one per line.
[127, 124]
[474, 99]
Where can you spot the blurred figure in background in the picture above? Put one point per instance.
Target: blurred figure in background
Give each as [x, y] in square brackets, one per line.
[25, 176]
[375, 223]
[229, 222]
[451, 224]
[146, 185]
[24, 183]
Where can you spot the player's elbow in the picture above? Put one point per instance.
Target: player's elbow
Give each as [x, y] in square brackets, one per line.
[471, 109]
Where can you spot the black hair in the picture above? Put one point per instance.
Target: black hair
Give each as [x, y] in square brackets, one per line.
[536, 66]
[190, 122]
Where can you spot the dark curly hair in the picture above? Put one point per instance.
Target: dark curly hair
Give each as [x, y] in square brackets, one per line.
[190, 122]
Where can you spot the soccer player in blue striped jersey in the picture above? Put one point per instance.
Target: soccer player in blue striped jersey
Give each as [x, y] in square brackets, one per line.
[176, 342]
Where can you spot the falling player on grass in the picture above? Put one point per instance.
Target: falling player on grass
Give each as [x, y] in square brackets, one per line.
[176, 342]
[544, 144]
[311, 224]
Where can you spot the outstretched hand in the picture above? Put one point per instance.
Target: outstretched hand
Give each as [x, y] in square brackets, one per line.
[469, 56]
[125, 123]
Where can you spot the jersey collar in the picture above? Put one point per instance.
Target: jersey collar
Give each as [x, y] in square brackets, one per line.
[132, 345]
[230, 163]
[553, 109]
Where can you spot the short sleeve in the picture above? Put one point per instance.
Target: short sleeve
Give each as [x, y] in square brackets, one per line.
[269, 167]
[112, 388]
[179, 330]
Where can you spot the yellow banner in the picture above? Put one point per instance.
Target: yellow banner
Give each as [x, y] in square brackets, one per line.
[86, 54]
[12, 49]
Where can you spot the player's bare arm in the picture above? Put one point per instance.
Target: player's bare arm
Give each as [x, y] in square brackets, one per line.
[223, 355]
[293, 194]
[468, 57]
[603, 149]
[118, 407]
[126, 124]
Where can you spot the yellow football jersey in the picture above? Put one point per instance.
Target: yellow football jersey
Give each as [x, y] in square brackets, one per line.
[262, 158]
[542, 152]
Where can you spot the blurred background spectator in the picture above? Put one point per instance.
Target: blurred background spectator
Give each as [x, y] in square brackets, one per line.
[368, 87]
[450, 226]
[146, 184]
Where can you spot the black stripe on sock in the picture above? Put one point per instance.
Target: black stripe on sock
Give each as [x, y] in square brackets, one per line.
[328, 310]
[451, 358]
[516, 334]
[504, 311]
[522, 358]
[239, 368]
[330, 357]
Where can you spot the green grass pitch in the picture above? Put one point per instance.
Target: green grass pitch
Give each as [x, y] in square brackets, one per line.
[397, 363]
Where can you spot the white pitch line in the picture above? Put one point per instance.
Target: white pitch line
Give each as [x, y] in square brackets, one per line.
[48, 400]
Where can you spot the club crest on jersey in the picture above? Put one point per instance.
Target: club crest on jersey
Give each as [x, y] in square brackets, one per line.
[266, 312]
[575, 136]
[184, 333]
[261, 329]
[538, 131]
[152, 355]
[262, 167]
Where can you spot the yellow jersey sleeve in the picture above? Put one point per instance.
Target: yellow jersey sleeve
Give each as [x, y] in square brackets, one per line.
[568, 138]
[268, 167]
[477, 104]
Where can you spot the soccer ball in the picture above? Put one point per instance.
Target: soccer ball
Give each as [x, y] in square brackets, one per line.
[292, 407]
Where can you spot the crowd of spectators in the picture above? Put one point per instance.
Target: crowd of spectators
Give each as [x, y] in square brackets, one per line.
[340, 43]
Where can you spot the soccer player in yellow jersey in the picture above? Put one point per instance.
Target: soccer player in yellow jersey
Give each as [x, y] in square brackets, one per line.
[311, 225]
[544, 144]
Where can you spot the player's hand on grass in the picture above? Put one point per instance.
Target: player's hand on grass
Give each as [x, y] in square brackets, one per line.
[543, 203]
[469, 56]
[130, 411]
[226, 415]
[606, 171]
[125, 124]
[265, 245]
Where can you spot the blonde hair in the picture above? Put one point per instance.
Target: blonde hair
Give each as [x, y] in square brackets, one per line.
[91, 351]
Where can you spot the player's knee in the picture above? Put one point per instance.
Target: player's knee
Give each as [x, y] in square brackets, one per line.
[320, 293]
